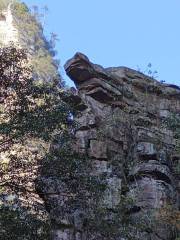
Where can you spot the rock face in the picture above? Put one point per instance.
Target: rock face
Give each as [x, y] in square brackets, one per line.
[8, 33]
[121, 115]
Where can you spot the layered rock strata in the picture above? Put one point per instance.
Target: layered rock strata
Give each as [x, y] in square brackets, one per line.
[122, 131]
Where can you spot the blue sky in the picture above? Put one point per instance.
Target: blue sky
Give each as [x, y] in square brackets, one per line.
[118, 33]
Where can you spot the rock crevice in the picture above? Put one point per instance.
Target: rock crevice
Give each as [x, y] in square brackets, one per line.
[120, 118]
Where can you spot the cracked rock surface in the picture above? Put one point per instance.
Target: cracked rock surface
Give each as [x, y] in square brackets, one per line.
[120, 133]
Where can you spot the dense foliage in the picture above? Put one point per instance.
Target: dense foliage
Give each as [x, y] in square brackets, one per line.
[30, 27]
[30, 24]
[31, 115]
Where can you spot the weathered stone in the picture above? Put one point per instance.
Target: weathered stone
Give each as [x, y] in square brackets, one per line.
[164, 113]
[100, 95]
[129, 151]
[97, 149]
[86, 121]
[153, 168]
[150, 193]
[82, 139]
[64, 234]
[146, 149]
[100, 83]
[114, 147]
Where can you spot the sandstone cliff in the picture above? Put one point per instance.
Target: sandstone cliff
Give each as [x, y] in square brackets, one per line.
[127, 150]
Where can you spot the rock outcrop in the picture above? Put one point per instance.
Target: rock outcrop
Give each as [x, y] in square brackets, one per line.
[122, 131]
[8, 33]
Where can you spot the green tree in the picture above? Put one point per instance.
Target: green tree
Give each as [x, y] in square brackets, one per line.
[31, 115]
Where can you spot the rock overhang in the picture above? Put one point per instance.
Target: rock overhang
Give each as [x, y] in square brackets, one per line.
[119, 131]
[88, 76]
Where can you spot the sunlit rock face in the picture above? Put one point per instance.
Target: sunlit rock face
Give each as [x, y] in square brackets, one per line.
[8, 32]
[120, 130]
